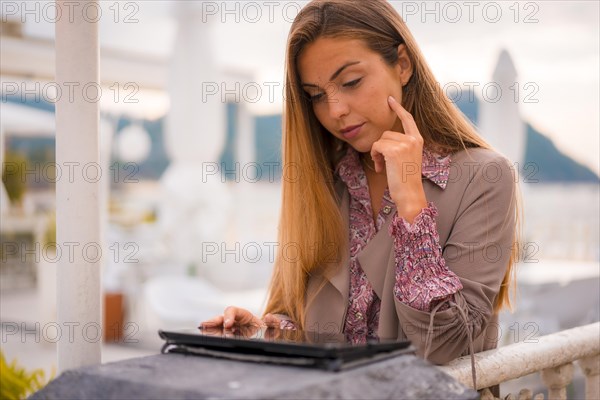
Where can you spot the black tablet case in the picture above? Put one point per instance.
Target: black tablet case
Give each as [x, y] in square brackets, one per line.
[296, 348]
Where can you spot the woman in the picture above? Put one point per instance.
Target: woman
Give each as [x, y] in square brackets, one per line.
[401, 217]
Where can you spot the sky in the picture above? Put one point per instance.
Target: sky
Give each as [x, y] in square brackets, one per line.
[554, 46]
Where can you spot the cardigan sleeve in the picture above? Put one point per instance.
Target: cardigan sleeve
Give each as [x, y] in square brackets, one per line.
[422, 277]
[478, 251]
[285, 322]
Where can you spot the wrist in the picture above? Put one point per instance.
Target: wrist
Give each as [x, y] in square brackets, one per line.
[410, 209]
[410, 215]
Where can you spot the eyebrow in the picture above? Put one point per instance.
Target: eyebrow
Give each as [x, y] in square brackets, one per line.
[336, 73]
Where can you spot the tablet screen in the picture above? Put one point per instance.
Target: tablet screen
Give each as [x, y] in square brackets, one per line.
[262, 334]
[274, 339]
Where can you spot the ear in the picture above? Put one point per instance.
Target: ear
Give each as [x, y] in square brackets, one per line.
[404, 67]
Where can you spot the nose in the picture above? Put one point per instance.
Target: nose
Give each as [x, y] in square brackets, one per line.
[337, 106]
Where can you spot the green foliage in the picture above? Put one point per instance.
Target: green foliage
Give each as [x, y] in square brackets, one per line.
[12, 176]
[17, 383]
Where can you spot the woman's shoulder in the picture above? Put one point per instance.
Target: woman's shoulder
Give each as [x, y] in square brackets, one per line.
[479, 155]
[480, 163]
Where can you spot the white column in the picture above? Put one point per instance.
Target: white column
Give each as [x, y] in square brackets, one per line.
[196, 202]
[78, 193]
[500, 120]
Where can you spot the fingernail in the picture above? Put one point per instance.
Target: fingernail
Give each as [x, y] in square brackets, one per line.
[390, 98]
[226, 322]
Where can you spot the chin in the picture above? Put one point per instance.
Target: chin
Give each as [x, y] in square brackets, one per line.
[362, 147]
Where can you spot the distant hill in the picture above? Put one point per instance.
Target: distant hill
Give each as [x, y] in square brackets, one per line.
[468, 104]
[553, 166]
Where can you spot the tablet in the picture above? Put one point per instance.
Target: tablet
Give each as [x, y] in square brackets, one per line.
[330, 351]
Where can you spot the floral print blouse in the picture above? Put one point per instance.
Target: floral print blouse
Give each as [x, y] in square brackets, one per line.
[422, 278]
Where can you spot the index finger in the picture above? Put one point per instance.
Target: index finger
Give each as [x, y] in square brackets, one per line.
[216, 321]
[408, 123]
[234, 315]
[230, 315]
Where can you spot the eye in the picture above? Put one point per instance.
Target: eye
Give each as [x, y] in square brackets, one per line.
[352, 83]
[315, 98]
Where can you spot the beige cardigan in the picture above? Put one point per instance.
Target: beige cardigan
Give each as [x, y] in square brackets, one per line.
[475, 222]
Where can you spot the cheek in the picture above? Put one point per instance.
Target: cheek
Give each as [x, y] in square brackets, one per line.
[376, 104]
[321, 116]
[381, 113]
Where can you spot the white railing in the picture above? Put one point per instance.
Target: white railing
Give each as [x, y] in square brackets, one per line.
[552, 355]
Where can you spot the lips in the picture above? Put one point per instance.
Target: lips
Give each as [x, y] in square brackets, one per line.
[351, 131]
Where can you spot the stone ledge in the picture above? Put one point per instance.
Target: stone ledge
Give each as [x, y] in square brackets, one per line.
[178, 376]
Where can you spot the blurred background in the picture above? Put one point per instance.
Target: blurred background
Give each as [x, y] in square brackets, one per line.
[191, 100]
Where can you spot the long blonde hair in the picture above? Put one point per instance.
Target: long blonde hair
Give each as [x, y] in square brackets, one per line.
[310, 220]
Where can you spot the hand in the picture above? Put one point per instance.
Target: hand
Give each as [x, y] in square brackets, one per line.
[400, 156]
[233, 316]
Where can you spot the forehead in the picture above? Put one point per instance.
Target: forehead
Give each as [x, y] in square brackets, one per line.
[321, 58]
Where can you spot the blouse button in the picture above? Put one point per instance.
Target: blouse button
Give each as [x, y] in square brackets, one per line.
[387, 210]
[359, 315]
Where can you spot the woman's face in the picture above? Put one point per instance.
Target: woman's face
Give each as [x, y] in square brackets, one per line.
[349, 85]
